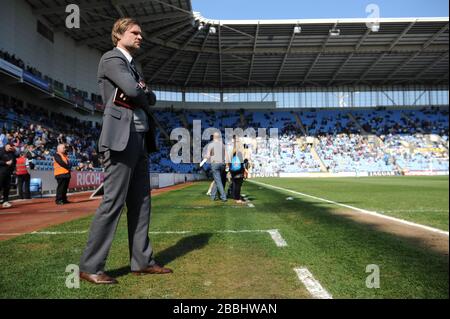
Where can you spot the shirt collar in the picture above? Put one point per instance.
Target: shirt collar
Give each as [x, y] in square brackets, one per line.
[126, 54]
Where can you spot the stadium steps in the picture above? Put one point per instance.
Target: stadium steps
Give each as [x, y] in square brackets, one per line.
[300, 123]
[371, 138]
[432, 138]
[243, 121]
[184, 120]
[411, 122]
[161, 129]
[316, 156]
[358, 125]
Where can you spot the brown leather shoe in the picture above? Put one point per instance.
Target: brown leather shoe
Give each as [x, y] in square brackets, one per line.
[98, 279]
[155, 269]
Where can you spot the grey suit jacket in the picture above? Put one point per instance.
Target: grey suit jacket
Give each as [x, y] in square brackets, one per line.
[114, 71]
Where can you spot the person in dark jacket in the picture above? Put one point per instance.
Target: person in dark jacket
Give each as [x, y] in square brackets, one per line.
[62, 169]
[7, 166]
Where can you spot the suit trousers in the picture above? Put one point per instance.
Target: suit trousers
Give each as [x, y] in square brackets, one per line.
[127, 181]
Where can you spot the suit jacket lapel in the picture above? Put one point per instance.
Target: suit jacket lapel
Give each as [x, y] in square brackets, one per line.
[135, 72]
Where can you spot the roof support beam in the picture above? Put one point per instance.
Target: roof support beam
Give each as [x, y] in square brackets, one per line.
[432, 65]
[253, 55]
[192, 37]
[205, 74]
[434, 37]
[174, 71]
[340, 69]
[178, 34]
[363, 76]
[285, 58]
[62, 9]
[220, 55]
[162, 3]
[311, 68]
[142, 20]
[116, 5]
[318, 56]
[243, 79]
[364, 37]
[401, 66]
[171, 25]
[84, 5]
[196, 60]
[399, 38]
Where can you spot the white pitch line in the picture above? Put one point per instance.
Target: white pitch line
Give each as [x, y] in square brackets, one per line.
[312, 285]
[276, 236]
[367, 212]
[58, 233]
[274, 233]
[170, 232]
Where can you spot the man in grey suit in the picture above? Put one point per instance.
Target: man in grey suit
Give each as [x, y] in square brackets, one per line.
[126, 139]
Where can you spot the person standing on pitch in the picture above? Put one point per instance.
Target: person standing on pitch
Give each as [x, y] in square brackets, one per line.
[126, 139]
[215, 153]
[62, 167]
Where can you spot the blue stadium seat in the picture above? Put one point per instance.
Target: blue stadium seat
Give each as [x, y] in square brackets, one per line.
[36, 186]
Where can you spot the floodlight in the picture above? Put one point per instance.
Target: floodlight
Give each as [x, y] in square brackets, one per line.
[335, 32]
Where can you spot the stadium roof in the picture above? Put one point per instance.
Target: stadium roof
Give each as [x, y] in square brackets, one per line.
[184, 49]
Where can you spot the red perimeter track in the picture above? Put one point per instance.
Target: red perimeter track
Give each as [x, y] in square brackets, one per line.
[35, 214]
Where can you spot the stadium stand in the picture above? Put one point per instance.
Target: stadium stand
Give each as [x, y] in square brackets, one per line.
[37, 133]
[380, 141]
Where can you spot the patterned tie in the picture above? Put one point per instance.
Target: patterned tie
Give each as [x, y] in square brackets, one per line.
[135, 71]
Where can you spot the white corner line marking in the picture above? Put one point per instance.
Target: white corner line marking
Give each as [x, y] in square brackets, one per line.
[276, 236]
[363, 211]
[312, 285]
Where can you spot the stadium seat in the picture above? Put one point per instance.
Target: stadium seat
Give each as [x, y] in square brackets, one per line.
[36, 186]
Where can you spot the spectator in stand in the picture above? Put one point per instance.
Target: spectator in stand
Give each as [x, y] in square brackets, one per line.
[3, 139]
[81, 167]
[90, 167]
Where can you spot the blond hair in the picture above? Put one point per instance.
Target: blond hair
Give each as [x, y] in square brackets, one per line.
[120, 27]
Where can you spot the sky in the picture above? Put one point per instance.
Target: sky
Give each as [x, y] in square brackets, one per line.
[317, 9]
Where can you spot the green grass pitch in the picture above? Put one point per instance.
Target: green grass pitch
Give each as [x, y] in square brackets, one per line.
[210, 263]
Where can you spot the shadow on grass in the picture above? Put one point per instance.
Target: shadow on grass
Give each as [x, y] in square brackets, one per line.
[181, 248]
